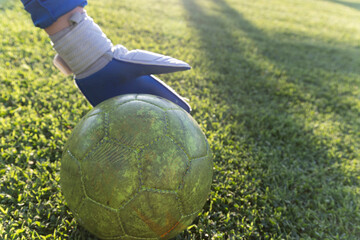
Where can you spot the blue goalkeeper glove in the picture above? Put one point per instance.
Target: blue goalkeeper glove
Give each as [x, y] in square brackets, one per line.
[103, 71]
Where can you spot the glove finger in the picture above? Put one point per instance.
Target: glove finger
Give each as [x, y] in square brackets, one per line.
[102, 86]
[145, 62]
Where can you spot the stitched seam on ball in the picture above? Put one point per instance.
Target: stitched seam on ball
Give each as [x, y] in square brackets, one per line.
[188, 170]
[166, 123]
[140, 238]
[139, 170]
[106, 125]
[120, 223]
[156, 190]
[179, 203]
[120, 104]
[76, 213]
[179, 145]
[140, 100]
[197, 212]
[136, 100]
[73, 157]
[113, 238]
[101, 205]
[81, 173]
[128, 201]
[181, 186]
[199, 158]
[127, 236]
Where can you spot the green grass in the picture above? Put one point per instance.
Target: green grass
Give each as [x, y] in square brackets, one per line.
[274, 85]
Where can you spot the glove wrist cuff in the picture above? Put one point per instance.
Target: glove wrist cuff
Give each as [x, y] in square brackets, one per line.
[83, 44]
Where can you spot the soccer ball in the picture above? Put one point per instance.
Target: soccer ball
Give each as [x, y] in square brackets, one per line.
[136, 167]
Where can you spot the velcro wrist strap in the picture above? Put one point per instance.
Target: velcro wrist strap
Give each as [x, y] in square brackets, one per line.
[61, 65]
[83, 44]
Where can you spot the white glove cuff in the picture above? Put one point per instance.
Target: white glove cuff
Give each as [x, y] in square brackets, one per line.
[83, 44]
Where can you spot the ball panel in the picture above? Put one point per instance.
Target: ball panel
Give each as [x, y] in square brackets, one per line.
[163, 165]
[197, 183]
[101, 221]
[151, 215]
[183, 129]
[86, 135]
[158, 101]
[137, 123]
[110, 174]
[70, 181]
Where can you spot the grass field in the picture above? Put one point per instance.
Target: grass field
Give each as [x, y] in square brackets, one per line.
[274, 85]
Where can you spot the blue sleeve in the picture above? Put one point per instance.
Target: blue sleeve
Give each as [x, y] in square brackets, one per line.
[46, 12]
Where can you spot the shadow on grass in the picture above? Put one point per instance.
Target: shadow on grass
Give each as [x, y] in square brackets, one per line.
[347, 4]
[300, 179]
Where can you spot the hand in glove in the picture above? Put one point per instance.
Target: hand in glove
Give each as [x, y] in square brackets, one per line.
[103, 71]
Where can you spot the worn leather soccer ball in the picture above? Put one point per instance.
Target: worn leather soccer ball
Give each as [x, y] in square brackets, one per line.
[136, 167]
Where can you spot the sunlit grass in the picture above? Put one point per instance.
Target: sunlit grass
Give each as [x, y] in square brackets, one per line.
[274, 85]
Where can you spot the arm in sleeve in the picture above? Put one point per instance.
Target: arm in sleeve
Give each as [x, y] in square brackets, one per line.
[46, 12]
